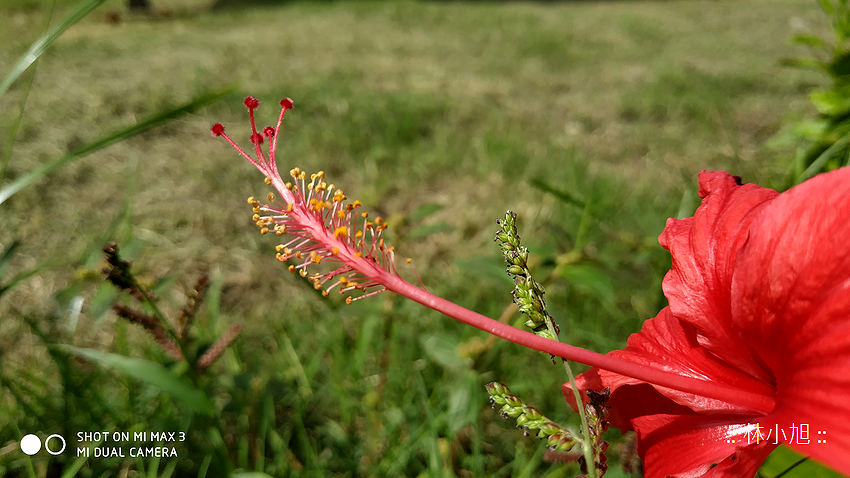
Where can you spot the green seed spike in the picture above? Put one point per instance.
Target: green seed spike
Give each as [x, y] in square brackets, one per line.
[529, 418]
[528, 293]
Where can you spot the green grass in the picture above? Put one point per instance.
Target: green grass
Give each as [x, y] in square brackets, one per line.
[405, 105]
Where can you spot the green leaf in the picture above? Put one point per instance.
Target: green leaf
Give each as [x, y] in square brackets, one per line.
[4, 261]
[111, 138]
[590, 279]
[37, 48]
[809, 40]
[827, 7]
[489, 269]
[423, 212]
[562, 195]
[818, 165]
[151, 373]
[442, 349]
[784, 458]
[424, 231]
[834, 102]
[6, 257]
[840, 66]
[804, 63]
[812, 129]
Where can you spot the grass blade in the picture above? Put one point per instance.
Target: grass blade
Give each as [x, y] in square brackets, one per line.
[561, 195]
[5, 258]
[152, 373]
[818, 163]
[107, 140]
[37, 48]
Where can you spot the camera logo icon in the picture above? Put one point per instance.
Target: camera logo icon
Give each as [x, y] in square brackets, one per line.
[31, 444]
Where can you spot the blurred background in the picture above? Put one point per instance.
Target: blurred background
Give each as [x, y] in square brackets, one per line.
[591, 120]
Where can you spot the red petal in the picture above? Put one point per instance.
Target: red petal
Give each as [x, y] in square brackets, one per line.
[699, 446]
[791, 303]
[704, 248]
[669, 344]
[759, 294]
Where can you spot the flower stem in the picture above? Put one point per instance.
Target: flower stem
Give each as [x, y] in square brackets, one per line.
[759, 402]
[585, 426]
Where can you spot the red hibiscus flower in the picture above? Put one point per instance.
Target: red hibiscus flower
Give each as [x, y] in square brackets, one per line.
[759, 296]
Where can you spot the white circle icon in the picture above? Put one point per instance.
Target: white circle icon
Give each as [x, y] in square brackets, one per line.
[54, 452]
[30, 444]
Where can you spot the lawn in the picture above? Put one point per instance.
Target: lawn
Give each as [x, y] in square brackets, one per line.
[591, 120]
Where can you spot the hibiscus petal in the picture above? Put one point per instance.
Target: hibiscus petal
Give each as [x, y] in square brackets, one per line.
[759, 299]
[791, 303]
[669, 344]
[699, 446]
[704, 248]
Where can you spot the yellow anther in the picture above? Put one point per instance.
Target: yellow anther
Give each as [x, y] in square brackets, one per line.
[255, 217]
[364, 214]
[299, 255]
[325, 293]
[315, 257]
[288, 186]
[378, 220]
[359, 234]
[340, 214]
[295, 172]
[268, 181]
[302, 273]
[291, 268]
[409, 260]
[317, 285]
[270, 197]
[341, 231]
[251, 200]
[356, 203]
[368, 224]
[336, 250]
[358, 254]
[339, 196]
[279, 247]
[348, 300]
[261, 223]
[289, 207]
[264, 230]
[343, 280]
